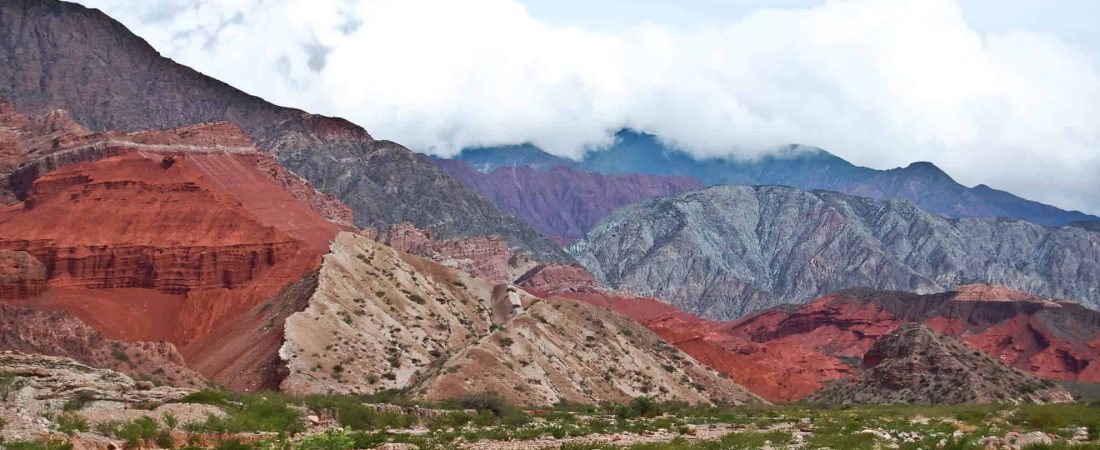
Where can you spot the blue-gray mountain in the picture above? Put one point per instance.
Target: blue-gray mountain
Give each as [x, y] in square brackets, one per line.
[724, 251]
[797, 166]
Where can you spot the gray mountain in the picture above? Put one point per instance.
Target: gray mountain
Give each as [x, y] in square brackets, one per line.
[728, 250]
[58, 55]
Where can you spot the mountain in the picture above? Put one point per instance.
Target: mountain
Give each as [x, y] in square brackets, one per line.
[381, 319]
[562, 202]
[797, 166]
[917, 365]
[727, 250]
[57, 55]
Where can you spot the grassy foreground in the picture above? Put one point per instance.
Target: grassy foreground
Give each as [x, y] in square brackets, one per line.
[485, 422]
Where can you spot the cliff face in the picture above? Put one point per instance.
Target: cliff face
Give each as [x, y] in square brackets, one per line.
[62, 55]
[561, 202]
[382, 319]
[917, 365]
[725, 251]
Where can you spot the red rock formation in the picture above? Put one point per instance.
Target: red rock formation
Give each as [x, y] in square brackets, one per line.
[21, 275]
[169, 235]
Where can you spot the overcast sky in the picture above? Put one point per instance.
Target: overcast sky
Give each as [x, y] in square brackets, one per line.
[1000, 92]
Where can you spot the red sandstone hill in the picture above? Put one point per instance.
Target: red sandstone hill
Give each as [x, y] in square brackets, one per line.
[176, 236]
[786, 353]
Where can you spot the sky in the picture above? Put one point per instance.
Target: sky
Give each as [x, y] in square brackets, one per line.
[998, 92]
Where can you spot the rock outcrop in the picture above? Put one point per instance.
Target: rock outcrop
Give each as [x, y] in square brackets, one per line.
[53, 55]
[725, 251]
[917, 365]
[382, 319]
[563, 203]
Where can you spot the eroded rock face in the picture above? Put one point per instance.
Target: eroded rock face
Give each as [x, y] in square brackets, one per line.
[383, 319]
[382, 182]
[21, 275]
[914, 364]
[563, 202]
[380, 317]
[725, 251]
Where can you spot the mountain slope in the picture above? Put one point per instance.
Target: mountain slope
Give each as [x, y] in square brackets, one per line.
[727, 250]
[561, 202]
[381, 319]
[796, 166]
[61, 55]
[917, 365]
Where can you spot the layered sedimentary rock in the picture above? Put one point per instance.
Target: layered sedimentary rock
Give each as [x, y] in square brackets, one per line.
[53, 55]
[382, 319]
[562, 202]
[175, 235]
[725, 251]
[914, 364]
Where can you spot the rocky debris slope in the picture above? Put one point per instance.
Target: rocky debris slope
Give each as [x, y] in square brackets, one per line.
[725, 251]
[45, 49]
[914, 364]
[561, 202]
[795, 165]
[559, 349]
[382, 319]
[60, 334]
[34, 386]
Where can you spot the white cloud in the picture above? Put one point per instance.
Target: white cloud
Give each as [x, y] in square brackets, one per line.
[879, 82]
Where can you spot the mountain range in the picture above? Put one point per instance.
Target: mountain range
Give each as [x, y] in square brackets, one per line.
[803, 167]
[158, 224]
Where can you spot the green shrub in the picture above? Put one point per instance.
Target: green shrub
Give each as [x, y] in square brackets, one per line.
[483, 402]
[329, 440]
[78, 401]
[38, 445]
[137, 431]
[71, 423]
[453, 419]
[164, 439]
[206, 397]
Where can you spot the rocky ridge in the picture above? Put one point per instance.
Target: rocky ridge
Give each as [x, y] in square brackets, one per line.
[382, 319]
[724, 251]
[914, 364]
